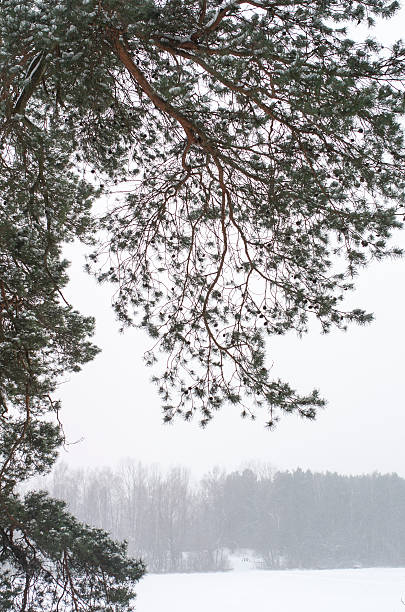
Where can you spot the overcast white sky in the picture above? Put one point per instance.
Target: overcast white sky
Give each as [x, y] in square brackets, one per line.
[114, 407]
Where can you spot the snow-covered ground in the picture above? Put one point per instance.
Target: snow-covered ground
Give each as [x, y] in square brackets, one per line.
[350, 590]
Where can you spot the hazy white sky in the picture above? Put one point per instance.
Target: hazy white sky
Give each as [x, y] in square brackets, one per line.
[114, 407]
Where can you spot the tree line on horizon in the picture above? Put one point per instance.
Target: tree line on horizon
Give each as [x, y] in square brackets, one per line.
[285, 519]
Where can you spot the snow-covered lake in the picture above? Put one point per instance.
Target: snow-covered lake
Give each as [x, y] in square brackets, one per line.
[350, 590]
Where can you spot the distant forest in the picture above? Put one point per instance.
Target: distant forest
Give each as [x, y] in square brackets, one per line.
[287, 519]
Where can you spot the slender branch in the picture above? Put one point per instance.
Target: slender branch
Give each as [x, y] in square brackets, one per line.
[144, 84]
[20, 439]
[35, 73]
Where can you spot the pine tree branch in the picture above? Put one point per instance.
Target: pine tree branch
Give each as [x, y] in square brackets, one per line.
[144, 84]
[35, 73]
[20, 438]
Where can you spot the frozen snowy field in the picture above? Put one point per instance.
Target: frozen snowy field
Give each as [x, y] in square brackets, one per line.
[361, 590]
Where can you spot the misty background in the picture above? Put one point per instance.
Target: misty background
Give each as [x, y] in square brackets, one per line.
[253, 518]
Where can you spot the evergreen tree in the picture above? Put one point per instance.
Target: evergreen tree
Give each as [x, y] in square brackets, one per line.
[262, 156]
[53, 562]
